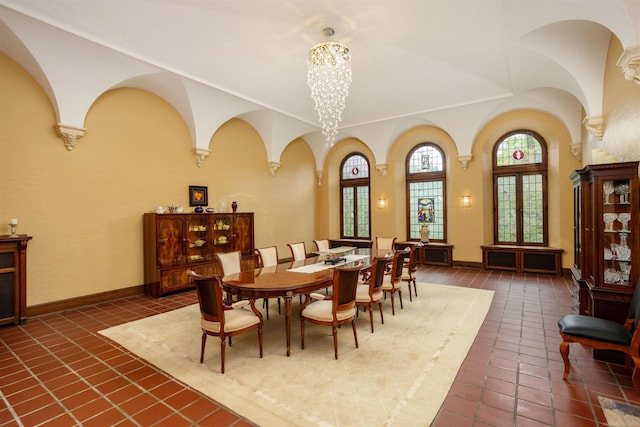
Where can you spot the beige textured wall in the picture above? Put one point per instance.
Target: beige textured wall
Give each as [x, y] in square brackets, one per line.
[84, 208]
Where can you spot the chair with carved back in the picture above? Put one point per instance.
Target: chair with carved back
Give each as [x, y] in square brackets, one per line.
[385, 243]
[602, 334]
[298, 251]
[322, 245]
[222, 320]
[336, 309]
[229, 262]
[410, 269]
[268, 257]
[392, 283]
[369, 292]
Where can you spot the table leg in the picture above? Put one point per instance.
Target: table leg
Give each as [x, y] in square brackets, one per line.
[287, 319]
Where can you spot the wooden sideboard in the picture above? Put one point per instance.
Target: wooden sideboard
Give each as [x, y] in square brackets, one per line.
[176, 243]
[13, 279]
[433, 253]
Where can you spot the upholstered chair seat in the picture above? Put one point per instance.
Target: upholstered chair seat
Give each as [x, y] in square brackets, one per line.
[234, 320]
[362, 294]
[322, 311]
[603, 334]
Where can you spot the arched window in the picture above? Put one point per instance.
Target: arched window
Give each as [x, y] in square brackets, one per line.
[354, 190]
[426, 192]
[520, 189]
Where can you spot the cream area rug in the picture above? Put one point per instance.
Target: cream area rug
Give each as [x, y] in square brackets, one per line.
[620, 414]
[399, 376]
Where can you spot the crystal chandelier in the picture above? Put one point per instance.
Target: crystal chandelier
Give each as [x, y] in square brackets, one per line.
[329, 77]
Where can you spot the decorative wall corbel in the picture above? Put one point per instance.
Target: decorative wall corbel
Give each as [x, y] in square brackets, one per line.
[273, 168]
[201, 154]
[70, 135]
[576, 150]
[595, 126]
[319, 174]
[382, 169]
[630, 64]
[465, 159]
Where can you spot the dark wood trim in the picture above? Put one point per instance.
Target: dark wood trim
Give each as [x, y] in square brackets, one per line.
[71, 303]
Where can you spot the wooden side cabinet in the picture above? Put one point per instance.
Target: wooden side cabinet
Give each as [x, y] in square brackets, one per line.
[176, 243]
[13, 279]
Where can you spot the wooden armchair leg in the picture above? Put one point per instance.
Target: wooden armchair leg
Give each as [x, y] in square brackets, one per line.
[564, 352]
[635, 377]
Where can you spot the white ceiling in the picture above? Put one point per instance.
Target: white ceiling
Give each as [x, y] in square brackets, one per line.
[409, 57]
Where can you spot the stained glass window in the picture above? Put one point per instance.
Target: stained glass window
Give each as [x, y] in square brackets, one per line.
[426, 201]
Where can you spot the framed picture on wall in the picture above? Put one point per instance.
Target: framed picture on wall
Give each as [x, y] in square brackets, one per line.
[198, 196]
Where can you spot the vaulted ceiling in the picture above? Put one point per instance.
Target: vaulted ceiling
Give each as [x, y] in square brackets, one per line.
[412, 60]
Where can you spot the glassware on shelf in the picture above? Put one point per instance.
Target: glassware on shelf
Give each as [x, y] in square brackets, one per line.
[609, 217]
[611, 275]
[608, 254]
[607, 189]
[625, 271]
[624, 219]
[623, 191]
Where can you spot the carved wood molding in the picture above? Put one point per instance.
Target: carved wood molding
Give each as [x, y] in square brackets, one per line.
[70, 135]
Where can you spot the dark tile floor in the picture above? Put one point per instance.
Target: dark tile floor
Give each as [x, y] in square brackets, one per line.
[58, 371]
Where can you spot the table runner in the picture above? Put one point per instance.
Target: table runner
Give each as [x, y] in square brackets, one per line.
[319, 266]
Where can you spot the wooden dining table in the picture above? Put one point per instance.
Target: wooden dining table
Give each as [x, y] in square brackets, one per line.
[286, 280]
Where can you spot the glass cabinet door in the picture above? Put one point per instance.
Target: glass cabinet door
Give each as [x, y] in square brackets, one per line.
[617, 231]
[198, 239]
[222, 238]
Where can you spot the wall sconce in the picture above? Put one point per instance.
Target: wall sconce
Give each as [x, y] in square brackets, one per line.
[466, 201]
[382, 203]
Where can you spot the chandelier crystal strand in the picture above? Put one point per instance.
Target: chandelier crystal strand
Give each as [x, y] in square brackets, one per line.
[329, 77]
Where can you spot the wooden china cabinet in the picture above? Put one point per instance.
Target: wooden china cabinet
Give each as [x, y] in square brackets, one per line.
[13, 279]
[606, 241]
[175, 243]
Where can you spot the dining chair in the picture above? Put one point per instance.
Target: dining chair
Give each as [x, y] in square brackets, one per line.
[385, 243]
[268, 257]
[222, 320]
[322, 245]
[336, 309]
[392, 282]
[369, 292]
[410, 269]
[603, 334]
[298, 251]
[229, 262]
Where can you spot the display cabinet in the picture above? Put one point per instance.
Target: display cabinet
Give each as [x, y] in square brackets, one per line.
[13, 279]
[606, 239]
[176, 243]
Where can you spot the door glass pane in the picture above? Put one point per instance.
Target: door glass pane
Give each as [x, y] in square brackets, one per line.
[506, 195]
[426, 202]
[532, 213]
[347, 212]
[363, 211]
